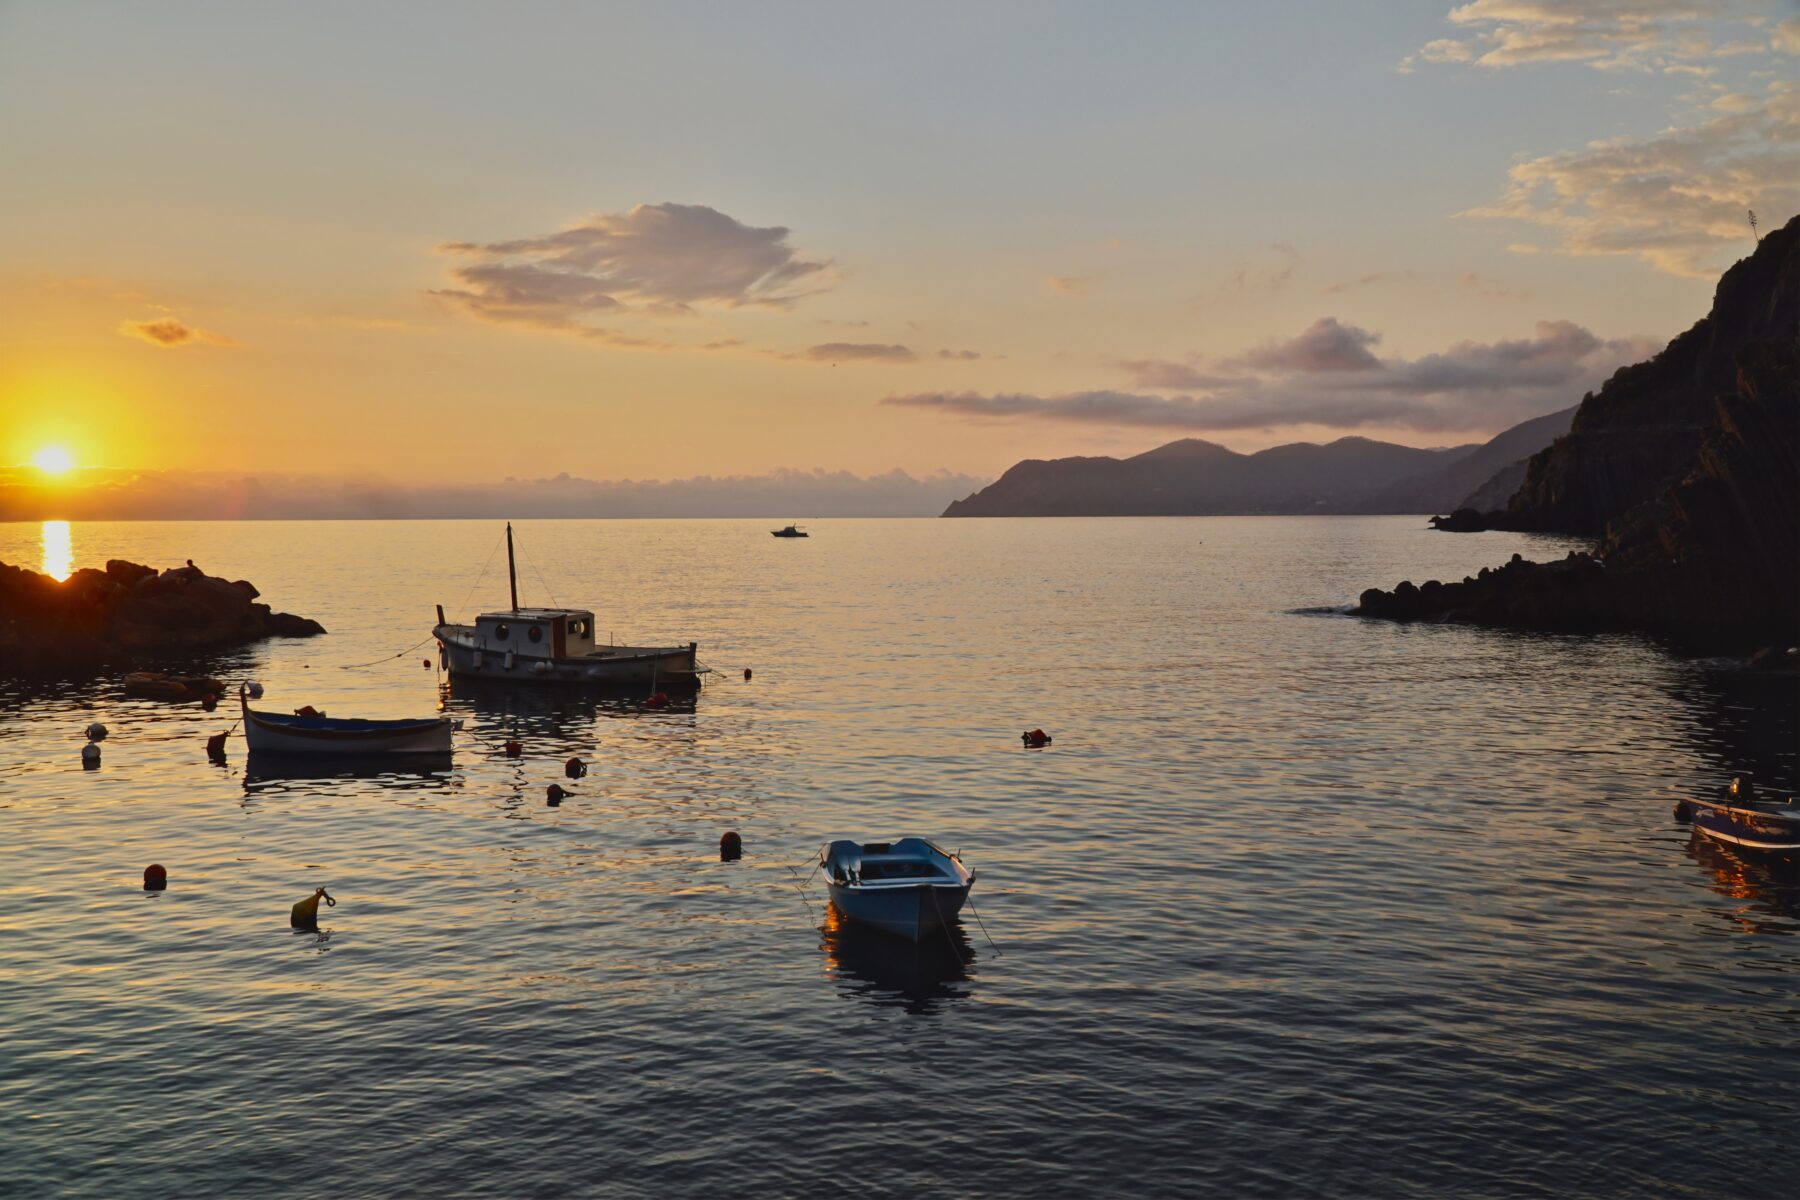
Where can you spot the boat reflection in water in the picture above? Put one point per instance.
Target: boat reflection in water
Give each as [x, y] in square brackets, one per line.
[894, 972]
[274, 772]
[1771, 885]
[556, 706]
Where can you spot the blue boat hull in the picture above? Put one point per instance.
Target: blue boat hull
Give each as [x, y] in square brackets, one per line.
[910, 912]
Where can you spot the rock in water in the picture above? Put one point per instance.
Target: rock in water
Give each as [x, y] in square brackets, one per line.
[94, 617]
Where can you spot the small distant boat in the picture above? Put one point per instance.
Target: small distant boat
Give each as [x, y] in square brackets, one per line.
[789, 531]
[1746, 820]
[556, 645]
[273, 733]
[908, 888]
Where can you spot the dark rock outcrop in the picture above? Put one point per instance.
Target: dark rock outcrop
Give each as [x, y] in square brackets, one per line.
[128, 610]
[1688, 466]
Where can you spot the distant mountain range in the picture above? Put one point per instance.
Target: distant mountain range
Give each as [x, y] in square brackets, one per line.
[1191, 477]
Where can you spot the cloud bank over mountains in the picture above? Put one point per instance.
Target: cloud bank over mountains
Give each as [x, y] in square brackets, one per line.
[105, 494]
[1329, 375]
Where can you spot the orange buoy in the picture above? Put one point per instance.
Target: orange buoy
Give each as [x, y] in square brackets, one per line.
[731, 847]
[306, 913]
[515, 749]
[554, 794]
[746, 674]
[155, 878]
[574, 768]
[657, 700]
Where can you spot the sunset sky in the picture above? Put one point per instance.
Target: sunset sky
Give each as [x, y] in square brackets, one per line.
[476, 241]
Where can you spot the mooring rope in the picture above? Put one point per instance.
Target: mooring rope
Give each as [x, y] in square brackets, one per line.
[998, 953]
[800, 880]
[428, 637]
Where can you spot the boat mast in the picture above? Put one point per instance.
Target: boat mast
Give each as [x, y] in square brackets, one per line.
[512, 572]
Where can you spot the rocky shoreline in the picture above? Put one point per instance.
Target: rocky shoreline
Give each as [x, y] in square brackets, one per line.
[1687, 467]
[129, 611]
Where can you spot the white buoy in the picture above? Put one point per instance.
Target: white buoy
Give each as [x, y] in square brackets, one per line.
[256, 690]
[96, 732]
[90, 755]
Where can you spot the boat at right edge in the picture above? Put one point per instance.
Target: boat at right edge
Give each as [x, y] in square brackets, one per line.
[1745, 819]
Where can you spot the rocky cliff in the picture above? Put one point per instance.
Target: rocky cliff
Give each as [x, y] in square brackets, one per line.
[1688, 468]
[128, 610]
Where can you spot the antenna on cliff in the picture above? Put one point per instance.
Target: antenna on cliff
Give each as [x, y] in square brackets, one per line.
[1753, 232]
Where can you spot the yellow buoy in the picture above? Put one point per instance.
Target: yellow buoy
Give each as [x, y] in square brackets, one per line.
[306, 913]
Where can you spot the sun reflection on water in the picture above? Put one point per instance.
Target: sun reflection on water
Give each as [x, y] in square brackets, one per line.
[59, 551]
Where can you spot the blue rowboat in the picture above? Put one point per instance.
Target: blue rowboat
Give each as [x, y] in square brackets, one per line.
[274, 733]
[1746, 820]
[908, 888]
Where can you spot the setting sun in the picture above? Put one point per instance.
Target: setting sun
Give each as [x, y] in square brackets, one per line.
[53, 460]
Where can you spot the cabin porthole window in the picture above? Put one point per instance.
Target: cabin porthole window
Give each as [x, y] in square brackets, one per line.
[534, 633]
[501, 632]
[578, 628]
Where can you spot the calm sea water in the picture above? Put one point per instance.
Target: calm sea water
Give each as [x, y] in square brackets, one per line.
[1296, 905]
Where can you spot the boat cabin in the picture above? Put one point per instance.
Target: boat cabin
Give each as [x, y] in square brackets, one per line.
[548, 633]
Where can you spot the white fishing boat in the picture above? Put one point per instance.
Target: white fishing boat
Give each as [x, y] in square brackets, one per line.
[315, 733]
[556, 645]
[908, 888]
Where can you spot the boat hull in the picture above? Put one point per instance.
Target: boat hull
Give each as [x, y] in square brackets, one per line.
[910, 911]
[271, 733]
[666, 668]
[1767, 832]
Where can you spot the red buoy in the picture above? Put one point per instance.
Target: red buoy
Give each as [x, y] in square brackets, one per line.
[574, 768]
[1035, 738]
[427, 663]
[731, 847]
[155, 878]
[657, 700]
[215, 745]
[553, 795]
[209, 702]
[515, 749]
[746, 674]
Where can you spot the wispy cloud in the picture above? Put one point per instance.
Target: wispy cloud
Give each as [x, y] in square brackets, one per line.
[1328, 376]
[1677, 200]
[960, 355]
[834, 352]
[656, 260]
[171, 334]
[1648, 35]
[1070, 285]
[1265, 276]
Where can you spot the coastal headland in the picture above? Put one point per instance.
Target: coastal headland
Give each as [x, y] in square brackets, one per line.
[1685, 469]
